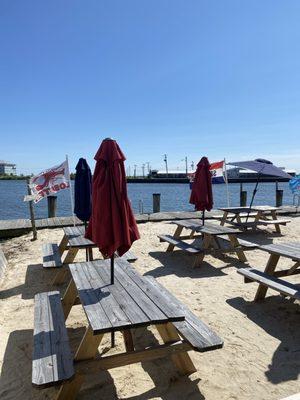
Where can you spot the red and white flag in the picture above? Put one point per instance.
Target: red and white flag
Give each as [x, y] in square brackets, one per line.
[217, 173]
[50, 181]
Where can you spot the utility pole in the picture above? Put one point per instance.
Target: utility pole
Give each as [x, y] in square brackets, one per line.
[134, 172]
[143, 169]
[166, 161]
[148, 167]
[186, 164]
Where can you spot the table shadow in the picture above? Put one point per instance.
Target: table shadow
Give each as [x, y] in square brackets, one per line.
[168, 383]
[280, 318]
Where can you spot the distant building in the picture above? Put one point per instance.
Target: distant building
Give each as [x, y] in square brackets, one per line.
[7, 168]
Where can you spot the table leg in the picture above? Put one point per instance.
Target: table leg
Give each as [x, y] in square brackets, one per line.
[293, 268]
[270, 268]
[70, 390]
[206, 243]
[86, 350]
[235, 243]
[89, 345]
[176, 235]
[63, 244]
[274, 217]
[60, 277]
[69, 298]
[182, 360]
[128, 340]
[223, 220]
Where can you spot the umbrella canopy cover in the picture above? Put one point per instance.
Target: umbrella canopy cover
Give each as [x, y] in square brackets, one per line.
[83, 191]
[112, 225]
[262, 166]
[201, 195]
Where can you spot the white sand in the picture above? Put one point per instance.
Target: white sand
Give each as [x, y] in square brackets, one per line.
[261, 355]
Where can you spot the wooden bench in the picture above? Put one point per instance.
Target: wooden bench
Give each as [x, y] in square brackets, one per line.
[279, 285]
[245, 244]
[192, 329]
[3, 264]
[51, 256]
[180, 244]
[264, 222]
[52, 358]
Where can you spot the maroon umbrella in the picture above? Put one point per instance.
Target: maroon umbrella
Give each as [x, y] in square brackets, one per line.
[201, 195]
[112, 224]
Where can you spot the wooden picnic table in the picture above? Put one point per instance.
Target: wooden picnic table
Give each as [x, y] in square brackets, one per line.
[270, 277]
[213, 239]
[246, 217]
[132, 301]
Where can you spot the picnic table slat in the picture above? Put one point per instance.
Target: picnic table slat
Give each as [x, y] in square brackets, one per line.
[51, 255]
[209, 228]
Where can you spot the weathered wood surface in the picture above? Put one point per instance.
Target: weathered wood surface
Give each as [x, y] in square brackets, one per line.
[290, 250]
[51, 255]
[197, 333]
[245, 244]
[3, 264]
[180, 244]
[122, 305]
[271, 282]
[52, 358]
[209, 228]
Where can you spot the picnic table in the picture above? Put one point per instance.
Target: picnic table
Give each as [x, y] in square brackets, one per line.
[133, 301]
[246, 217]
[213, 239]
[72, 241]
[270, 278]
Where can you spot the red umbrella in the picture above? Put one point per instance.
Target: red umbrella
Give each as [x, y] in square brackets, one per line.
[112, 224]
[201, 195]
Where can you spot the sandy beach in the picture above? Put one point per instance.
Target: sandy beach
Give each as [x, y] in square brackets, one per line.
[261, 354]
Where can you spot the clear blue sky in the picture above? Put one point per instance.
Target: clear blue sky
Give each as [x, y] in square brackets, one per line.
[189, 77]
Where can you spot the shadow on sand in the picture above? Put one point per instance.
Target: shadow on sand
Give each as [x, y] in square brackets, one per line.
[37, 279]
[281, 319]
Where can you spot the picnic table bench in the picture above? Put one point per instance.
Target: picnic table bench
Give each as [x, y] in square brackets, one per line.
[72, 241]
[270, 277]
[239, 217]
[212, 239]
[133, 301]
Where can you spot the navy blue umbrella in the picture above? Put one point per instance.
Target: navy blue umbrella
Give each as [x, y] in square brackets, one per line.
[83, 191]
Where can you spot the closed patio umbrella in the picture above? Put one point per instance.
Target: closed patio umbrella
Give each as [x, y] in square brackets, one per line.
[83, 193]
[201, 195]
[112, 225]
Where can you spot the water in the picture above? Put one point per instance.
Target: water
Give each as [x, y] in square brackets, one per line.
[174, 197]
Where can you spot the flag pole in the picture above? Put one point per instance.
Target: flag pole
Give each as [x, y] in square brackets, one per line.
[226, 181]
[70, 187]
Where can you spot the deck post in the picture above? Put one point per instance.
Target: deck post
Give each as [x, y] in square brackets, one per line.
[52, 202]
[156, 202]
[243, 196]
[279, 196]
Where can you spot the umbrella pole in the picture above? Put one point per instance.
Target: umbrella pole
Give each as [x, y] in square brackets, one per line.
[253, 195]
[86, 250]
[112, 280]
[203, 217]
